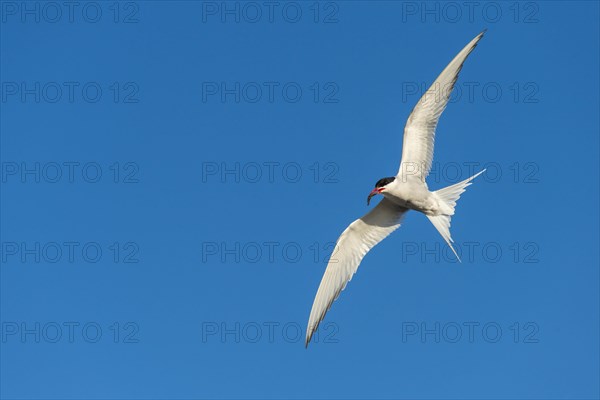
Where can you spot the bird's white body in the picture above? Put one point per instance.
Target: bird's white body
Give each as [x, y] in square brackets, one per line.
[406, 191]
[413, 194]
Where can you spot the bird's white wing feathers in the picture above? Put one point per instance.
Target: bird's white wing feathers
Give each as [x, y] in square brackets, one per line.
[360, 237]
[417, 156]
[419, 132]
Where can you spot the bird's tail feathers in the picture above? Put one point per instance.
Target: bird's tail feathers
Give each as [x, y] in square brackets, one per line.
[449, 196]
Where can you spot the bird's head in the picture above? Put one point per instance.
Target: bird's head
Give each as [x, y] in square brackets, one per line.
[380, 186]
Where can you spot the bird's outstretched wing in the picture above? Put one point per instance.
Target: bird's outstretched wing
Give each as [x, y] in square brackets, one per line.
[360, 237]
[419, 132]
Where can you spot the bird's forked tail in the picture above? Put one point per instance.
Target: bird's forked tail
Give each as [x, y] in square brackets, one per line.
[449, 196]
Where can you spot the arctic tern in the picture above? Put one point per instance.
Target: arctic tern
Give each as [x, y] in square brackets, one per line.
[405, 191]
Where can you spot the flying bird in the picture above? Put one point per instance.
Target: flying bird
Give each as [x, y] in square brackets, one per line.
[405, 191]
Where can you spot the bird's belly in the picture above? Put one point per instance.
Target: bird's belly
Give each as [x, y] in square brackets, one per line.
[419, 200]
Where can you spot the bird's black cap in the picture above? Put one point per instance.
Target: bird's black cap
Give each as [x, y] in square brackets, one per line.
[384, 181]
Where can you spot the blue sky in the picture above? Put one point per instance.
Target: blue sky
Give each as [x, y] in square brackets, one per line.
[173, 177]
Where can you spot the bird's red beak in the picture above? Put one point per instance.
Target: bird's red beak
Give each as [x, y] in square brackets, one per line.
[373, 193]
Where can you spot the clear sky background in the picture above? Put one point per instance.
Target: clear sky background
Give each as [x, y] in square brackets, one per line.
[173, 180]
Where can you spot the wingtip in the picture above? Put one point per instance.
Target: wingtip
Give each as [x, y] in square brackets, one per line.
[307, 341]
[456, 254]
[479, 173]
[309, 335]
[478, 37]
